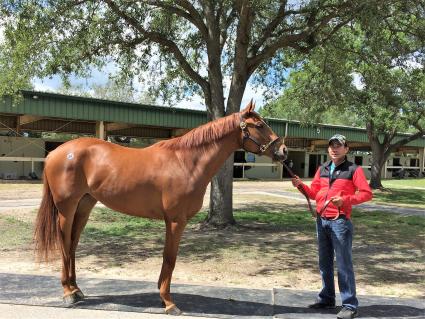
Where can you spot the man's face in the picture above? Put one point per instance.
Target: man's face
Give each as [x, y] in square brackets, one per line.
[337, 151]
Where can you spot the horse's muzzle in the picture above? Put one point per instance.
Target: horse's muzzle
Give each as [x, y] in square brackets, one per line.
[280, 153]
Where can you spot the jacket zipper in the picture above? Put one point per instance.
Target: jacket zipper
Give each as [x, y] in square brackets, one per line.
[331, 184]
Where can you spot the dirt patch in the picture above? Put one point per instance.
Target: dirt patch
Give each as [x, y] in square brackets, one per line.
[9, 191]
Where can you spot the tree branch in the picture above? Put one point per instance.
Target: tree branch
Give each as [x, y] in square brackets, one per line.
[291, 40]
[191, 15]
[240, 75]
[225, 24]
[388, 137]
[168, 45]
[313, 27]
[269, 29]
[407, 139]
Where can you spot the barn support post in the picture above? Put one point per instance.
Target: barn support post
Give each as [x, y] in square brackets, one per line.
[100, 130]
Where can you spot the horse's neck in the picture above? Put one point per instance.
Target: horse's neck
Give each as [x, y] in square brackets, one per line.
[209, 158]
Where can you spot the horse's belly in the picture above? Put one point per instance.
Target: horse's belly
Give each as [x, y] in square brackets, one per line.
[135, 205]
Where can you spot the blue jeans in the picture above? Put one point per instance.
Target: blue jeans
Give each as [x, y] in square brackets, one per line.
[335, 237]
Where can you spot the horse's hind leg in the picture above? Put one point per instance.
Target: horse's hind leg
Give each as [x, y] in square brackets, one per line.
[174, 231]
[82, 214]
[67, 210]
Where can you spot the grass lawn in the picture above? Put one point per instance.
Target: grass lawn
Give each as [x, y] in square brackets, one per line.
[404, 183]
[406, 192]
[267, 243]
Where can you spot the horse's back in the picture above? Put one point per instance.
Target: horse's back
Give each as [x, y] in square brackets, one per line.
[70, 167]
[73, 154]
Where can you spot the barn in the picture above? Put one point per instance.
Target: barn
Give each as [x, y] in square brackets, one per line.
[37, 123]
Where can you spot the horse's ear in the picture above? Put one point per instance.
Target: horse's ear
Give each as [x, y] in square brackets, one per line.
[249, 108]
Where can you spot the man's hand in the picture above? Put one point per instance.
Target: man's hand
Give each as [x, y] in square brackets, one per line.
[337, 201]
[296, 181]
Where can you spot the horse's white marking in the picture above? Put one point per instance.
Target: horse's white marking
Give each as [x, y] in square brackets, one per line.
[70, 156]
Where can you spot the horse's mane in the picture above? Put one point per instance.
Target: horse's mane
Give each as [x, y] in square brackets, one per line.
[204, 134]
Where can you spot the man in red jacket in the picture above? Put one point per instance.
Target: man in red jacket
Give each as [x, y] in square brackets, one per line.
[337, 185]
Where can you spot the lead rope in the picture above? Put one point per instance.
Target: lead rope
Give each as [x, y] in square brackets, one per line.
[326, 205]
[302, 191]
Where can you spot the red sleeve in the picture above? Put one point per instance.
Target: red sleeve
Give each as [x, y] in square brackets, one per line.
[363, 191]
[314, 187]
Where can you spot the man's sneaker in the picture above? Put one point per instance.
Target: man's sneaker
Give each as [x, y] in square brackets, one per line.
[322, 305]
[347, 313]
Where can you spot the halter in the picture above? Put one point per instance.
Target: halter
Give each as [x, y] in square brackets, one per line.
[247, 136]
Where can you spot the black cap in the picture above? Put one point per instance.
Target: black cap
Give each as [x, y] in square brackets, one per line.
[338, 138]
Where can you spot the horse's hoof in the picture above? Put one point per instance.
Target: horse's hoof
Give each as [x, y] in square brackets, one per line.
[70, 299]
[173, 310]
[79, 294]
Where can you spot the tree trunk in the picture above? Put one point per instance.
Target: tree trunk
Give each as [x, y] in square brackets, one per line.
[220, 212]
[375, 175]
[221, 197]
[379, 157]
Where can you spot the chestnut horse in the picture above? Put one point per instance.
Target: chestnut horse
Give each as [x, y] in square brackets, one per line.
[165, 181]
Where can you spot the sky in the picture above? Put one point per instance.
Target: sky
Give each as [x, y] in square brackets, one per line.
[52, 84]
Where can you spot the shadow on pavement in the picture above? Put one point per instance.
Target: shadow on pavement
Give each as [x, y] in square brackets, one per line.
[205, 301]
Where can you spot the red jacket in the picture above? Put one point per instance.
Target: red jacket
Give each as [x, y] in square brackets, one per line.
[347, 180]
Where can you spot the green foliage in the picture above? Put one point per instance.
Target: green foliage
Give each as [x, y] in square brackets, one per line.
[10, 66]
[286, 107]
[370, 73]
[115, 89]
[175, 49]
[383, 51]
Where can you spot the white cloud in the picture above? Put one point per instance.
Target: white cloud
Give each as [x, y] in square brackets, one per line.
[256, 94]
[357, 81]
[100, 77]
[1, 34]
[3, 22]
[41, 86]
[413, 64]
[196, 103]
[47, 84]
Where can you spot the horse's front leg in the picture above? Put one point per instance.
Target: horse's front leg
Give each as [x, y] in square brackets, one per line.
[174, 231]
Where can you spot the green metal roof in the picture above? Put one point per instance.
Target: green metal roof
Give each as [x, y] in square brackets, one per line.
[81, 108]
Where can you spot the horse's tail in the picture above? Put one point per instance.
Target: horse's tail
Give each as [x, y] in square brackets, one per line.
[47, 233]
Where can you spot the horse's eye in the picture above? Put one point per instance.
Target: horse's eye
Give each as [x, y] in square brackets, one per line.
[259, 124]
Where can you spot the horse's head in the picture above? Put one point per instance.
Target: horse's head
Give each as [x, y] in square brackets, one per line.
[258, 138]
